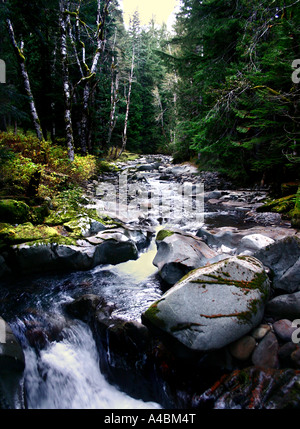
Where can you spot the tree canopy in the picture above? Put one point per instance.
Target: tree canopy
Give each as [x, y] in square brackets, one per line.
[219, 89]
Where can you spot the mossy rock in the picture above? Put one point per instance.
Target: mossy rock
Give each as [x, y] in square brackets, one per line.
[26, 232]
[282, 205]
[61, 216]
[296, 212]
[14, 211]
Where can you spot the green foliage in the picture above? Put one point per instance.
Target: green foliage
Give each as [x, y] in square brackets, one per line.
[24, 155]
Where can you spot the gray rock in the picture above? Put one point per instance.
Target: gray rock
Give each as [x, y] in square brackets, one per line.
[214, 305]
[266, 353]
[254, 242]
[113, 249]
[243, 348]
[283, 329]
[283, 258]
[285, 306]
[178, 254]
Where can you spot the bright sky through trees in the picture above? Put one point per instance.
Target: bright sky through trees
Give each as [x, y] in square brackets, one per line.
[161, 10]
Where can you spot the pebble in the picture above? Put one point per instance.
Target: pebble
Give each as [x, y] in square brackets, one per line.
[260, 332]
[266, 353]
[243, 348]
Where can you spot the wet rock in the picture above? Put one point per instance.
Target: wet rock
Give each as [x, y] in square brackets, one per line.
[254, 242]
[177, 254]
[243, 348]
[285, 306]
[295, 357]
[283, 329]
[83, 256]
[266, 353]
[214, 305]
[85, 307]
[284, 355]
[259, 332]
[283, 258]
[253, 388]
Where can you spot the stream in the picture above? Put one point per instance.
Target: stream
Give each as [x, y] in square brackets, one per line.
[62, 363]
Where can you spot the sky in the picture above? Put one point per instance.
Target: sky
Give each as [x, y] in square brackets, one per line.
[160, 9]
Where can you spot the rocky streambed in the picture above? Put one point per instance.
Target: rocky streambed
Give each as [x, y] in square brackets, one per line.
[188, 292]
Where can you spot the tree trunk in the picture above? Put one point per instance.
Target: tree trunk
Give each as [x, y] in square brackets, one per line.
[66, 83]
[26, 81]
[88, 88]
[114, 90]
[124, 137]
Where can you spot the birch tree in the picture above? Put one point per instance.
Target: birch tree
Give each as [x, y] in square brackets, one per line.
[130, 80]
[19, 51]
[66, 81]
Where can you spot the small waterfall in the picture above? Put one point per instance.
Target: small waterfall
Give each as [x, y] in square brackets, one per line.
[66, 375]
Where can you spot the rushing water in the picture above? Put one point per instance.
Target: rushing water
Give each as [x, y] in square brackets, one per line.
[62, 367]
[63, 371]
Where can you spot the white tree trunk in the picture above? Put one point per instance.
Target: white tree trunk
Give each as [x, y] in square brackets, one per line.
[124, 137]
[26, 81]
[66, 82]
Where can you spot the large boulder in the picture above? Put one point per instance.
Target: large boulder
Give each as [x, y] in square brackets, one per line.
[177, 254]
[283, 258]
[112, 248]
[214, 305]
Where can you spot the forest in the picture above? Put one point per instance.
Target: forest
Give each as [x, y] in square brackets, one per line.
[221, 90]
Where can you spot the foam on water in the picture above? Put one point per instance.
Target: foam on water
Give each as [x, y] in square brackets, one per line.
[66, 375]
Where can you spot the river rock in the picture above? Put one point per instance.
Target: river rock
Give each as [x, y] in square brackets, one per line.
[254, 242]
[214, 305]
[253, 388]
[243, 348]
[283, 329]
[285, 306]
[259, 332]
[266, 353]
[33, 258]
[283, 258]
[177, 254]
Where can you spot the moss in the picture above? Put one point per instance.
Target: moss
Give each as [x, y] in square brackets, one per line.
[295, 214]
[152, 315]
[26, 232]
[164, 233]
[14, 211]
[282, 205]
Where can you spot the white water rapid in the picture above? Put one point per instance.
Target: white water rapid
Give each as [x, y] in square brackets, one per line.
[66, 375]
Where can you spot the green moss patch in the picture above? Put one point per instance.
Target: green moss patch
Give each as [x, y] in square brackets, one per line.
[26, 232]
[281, 205]
[164, 233]
[14, 211]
